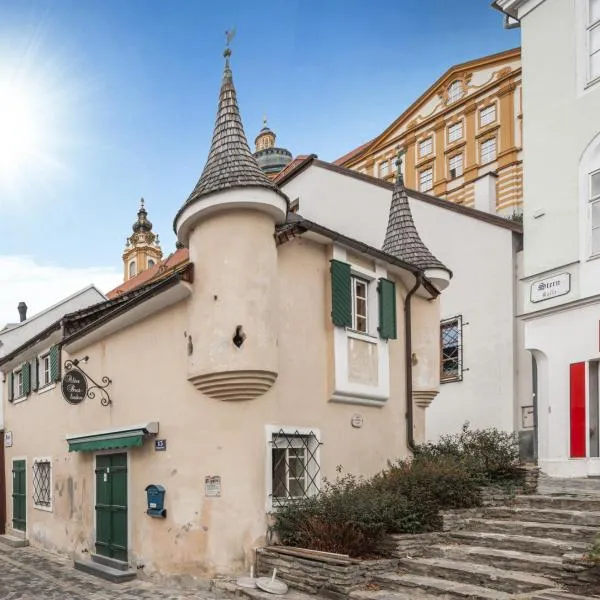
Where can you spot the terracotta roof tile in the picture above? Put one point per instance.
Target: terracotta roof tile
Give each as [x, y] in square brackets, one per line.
[159, 270]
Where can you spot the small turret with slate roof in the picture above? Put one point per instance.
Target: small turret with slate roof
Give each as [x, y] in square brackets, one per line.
[230, 164]
[228, 223]
[402, 239]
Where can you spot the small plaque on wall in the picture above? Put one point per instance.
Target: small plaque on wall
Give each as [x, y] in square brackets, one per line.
[8, 439]
[212, 486]
[160, 445]
[357, 421]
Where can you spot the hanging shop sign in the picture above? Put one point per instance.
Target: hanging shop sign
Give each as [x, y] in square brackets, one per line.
[551, 287]
[74, 386]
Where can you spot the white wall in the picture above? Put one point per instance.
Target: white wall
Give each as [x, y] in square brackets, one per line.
[480, 256]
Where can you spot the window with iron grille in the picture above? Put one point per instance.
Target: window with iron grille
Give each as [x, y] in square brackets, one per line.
[295, 468]
[42, 483]
[451, 350]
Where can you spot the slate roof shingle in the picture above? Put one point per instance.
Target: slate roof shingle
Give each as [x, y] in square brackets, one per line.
[402, 239]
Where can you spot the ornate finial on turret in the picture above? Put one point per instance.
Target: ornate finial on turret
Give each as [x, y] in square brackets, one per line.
[399, 177]
[229, 35]
[264, 120]
[141, 202]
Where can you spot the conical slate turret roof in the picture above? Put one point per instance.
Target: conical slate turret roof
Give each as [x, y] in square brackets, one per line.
[230, 163]
[402, 239]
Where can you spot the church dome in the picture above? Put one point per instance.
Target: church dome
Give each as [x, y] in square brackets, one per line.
[270, 159]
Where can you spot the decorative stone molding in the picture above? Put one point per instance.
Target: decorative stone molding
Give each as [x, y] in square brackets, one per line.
[423, 398]
[234, 385]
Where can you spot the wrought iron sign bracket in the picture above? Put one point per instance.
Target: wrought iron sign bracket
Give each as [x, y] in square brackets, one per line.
[94, 387]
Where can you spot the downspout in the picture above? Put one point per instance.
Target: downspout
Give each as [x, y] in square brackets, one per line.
[410, 438]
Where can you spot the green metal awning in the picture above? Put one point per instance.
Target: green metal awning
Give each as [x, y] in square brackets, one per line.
[127, 437]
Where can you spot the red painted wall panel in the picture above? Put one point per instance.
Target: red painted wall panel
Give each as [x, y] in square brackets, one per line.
[577, 410]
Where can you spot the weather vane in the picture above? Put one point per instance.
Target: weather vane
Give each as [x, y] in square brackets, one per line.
[401, 153]
[229, 35]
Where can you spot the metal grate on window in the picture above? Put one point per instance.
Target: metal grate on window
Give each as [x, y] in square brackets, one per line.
[295, 466]
[451, 363]
[41, 483]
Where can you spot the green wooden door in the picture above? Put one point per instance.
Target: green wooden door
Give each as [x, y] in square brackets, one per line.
[19, 501]
[111, 505]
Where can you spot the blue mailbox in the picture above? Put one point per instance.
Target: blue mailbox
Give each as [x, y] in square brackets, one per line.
[156, 501]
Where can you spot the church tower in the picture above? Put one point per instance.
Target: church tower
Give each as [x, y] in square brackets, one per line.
[270, 159]
[142, 249]
[228, 223]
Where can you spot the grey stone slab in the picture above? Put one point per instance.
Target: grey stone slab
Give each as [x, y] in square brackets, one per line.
[104, 571]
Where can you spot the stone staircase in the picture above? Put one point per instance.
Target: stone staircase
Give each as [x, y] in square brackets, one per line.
[519, 550]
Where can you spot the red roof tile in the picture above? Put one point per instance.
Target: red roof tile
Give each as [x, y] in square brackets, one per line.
[158, 271]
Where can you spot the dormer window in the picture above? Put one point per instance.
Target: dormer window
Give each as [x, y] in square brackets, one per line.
[455, 91]
[151, 263]
[132, 268]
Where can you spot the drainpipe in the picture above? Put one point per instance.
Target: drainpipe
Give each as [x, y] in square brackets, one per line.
[410, 441]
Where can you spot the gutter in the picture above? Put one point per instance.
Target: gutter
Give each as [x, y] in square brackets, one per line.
[410, 435]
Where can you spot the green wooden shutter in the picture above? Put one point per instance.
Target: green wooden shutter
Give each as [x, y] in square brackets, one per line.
[34, 375]
[387, 309]
[11, 387]
[341, 294]
[26, 370]
[55, 363]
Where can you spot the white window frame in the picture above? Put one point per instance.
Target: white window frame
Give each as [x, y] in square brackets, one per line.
[593, 200]
[457, 159]
[591, 26]
[428, 178]
[43, 383]
[455, 91]
[485, 161]
[383, 169]
[18, 388]
[36, 461]
[357, 280]
[427, 143]
[274, 430]
[487, 115]
[452, 129]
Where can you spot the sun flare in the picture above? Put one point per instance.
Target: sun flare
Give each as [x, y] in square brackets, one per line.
[20, 134]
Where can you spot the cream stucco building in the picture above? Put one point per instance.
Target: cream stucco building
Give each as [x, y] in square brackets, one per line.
[273, 350]
[561, 270]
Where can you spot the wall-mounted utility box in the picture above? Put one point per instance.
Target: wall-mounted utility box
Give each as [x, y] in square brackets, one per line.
[156, 500]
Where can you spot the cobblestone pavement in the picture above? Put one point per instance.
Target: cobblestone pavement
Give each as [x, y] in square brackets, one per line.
[31, 574]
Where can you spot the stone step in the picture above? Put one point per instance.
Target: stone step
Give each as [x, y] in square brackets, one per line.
[13, 541]
[372, 594]
[503, 559]
[110, 562]
[560, 502]
[524, 543]
[578, 533]
[554, 485]
[544, 515]
[104, 572]
[477, 574]
[439, 587]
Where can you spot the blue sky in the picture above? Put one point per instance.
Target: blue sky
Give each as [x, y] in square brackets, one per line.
[125, 91]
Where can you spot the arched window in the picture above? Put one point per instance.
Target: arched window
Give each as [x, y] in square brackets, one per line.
[132, 268]
[151, 263]
[455, 91]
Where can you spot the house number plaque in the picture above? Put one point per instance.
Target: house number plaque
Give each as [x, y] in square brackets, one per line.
[74, 386]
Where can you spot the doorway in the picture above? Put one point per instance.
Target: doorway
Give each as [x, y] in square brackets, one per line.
[19, 473]
[111, 505]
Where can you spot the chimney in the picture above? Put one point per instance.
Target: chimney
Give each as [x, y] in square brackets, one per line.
[22, 308]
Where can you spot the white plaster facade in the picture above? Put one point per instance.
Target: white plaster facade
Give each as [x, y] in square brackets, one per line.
[482, 253]
[561, 271]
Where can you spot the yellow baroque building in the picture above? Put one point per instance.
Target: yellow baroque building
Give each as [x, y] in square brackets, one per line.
[462, 137]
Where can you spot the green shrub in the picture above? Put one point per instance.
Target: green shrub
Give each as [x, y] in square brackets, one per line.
[489, 454]
[352, 515]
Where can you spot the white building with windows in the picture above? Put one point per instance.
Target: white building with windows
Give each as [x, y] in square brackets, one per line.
[561, 267]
